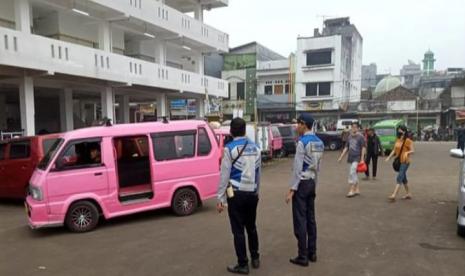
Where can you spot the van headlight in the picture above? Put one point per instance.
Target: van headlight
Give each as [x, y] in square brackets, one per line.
[35, 193]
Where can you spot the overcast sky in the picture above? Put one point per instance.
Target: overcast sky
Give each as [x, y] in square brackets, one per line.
[393, 31]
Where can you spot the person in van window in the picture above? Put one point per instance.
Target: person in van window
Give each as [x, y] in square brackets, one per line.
[94, 153]
[403, 149]
[374, 149]
[240, 169]
[302, 190]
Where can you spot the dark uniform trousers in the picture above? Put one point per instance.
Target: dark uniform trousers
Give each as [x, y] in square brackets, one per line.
[242, 210]
[371, 156]
[303, 213]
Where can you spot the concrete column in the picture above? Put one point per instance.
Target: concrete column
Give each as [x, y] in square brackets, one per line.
[160, 52]
[3, 112]
[200, 107]
[108, 103]
[67, 110]
[162, 104]
[198, 12]
[200, 64]
[125, 109]
[23, 15]
[26, 105]
[104, 36]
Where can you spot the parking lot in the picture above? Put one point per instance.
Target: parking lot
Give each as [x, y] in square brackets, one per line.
[365, 235]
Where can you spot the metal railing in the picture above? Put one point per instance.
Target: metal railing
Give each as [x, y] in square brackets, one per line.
[10, 134]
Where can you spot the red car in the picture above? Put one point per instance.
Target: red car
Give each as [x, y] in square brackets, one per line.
[18, 159]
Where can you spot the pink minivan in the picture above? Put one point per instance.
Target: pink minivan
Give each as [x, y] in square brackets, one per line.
[118, 170]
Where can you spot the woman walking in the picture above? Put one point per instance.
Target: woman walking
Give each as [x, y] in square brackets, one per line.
[403, 149]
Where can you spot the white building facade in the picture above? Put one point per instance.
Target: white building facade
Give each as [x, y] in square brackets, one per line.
[65, 64]
[329, 68]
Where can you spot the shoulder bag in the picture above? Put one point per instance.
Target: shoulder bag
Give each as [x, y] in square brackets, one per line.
[396, 163]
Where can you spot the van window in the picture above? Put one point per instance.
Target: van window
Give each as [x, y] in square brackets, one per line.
[275, 132]
[385, 132]
[49, 154]
[285, 131]
[2, 151]
[81, 154]
[47, 144]
[204, 146]
[20, 149]
[174, 145]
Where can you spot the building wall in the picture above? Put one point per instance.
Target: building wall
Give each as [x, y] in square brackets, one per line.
[458, 96]
[369, 76]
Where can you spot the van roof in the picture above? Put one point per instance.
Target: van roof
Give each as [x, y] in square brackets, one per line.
[387, 123]
[133, 129]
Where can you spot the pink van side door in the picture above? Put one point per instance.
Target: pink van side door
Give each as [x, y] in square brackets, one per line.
[77, 173]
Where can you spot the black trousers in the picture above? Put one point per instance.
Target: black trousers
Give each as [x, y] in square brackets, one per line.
[371, 157]
[303, 214]
[242, 210]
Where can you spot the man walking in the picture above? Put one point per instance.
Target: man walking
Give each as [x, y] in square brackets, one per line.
[302, 190]
[374, 149]
[240, 175]
[356, 148]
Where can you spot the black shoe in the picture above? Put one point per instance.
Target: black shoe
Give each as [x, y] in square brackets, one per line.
[299, 261]
[238, 269]
[312, 258]
[256, 263]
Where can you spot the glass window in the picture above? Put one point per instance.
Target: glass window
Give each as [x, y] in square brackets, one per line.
[20, 149]
[286, 89]
[319, 58]
[311, 89]
[324, 89]
[80, 155]
[2, 151]
[174, 146]
[385, 132]
[268, 90]
[285, 131]
[204, 146]
[240, 91]
[47, 144]
[49, 154]
[275, 132]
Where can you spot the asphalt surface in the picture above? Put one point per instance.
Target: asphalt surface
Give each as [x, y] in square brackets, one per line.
[365, 235]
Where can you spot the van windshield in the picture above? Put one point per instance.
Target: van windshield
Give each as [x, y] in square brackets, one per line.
[43, 164]
[385, 131]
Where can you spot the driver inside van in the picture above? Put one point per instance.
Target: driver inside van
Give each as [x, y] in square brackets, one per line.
[94, 153]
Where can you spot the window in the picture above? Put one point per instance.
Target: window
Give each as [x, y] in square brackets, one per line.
[315, 89]
[240, 91]
[171, 146]
[49, 153]
[278, 89]
[47, 144]
[204, 146]
[81, 154]
[20, 149]
[268, 90]
[286, 89]
[2, 151]
[319, 57]
[229, 91]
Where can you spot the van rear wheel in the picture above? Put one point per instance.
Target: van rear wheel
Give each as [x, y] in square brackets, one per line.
[82, 217]
[185, 202]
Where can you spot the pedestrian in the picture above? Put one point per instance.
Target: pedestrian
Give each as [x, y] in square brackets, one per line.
[344, 135]
[374, 149]
[302, 190]
[403, 149]
[461, 137]
[240, 180]
[356, 149]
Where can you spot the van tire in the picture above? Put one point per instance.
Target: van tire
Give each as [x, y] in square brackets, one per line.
[185, 202]
[460, 228]
[333, 145]
[82, 217]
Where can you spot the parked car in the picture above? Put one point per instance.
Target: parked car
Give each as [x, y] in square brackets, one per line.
[18, 159]
[118, 170]
[344, 123]
[458, 153]
[331, 139]
[289, 137]
[276, 142]
[386, 131]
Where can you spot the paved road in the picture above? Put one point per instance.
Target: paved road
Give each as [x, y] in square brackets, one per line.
[360, 236]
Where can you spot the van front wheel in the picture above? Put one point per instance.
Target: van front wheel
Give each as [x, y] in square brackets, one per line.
[185, 202]
[82, 217]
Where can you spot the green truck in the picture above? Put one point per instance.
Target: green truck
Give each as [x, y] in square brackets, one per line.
[386, 131]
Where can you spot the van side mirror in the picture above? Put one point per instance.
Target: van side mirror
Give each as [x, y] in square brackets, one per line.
[457, 153]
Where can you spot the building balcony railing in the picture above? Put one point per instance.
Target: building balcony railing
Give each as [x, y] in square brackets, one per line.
[35, 52]
[160, 15]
